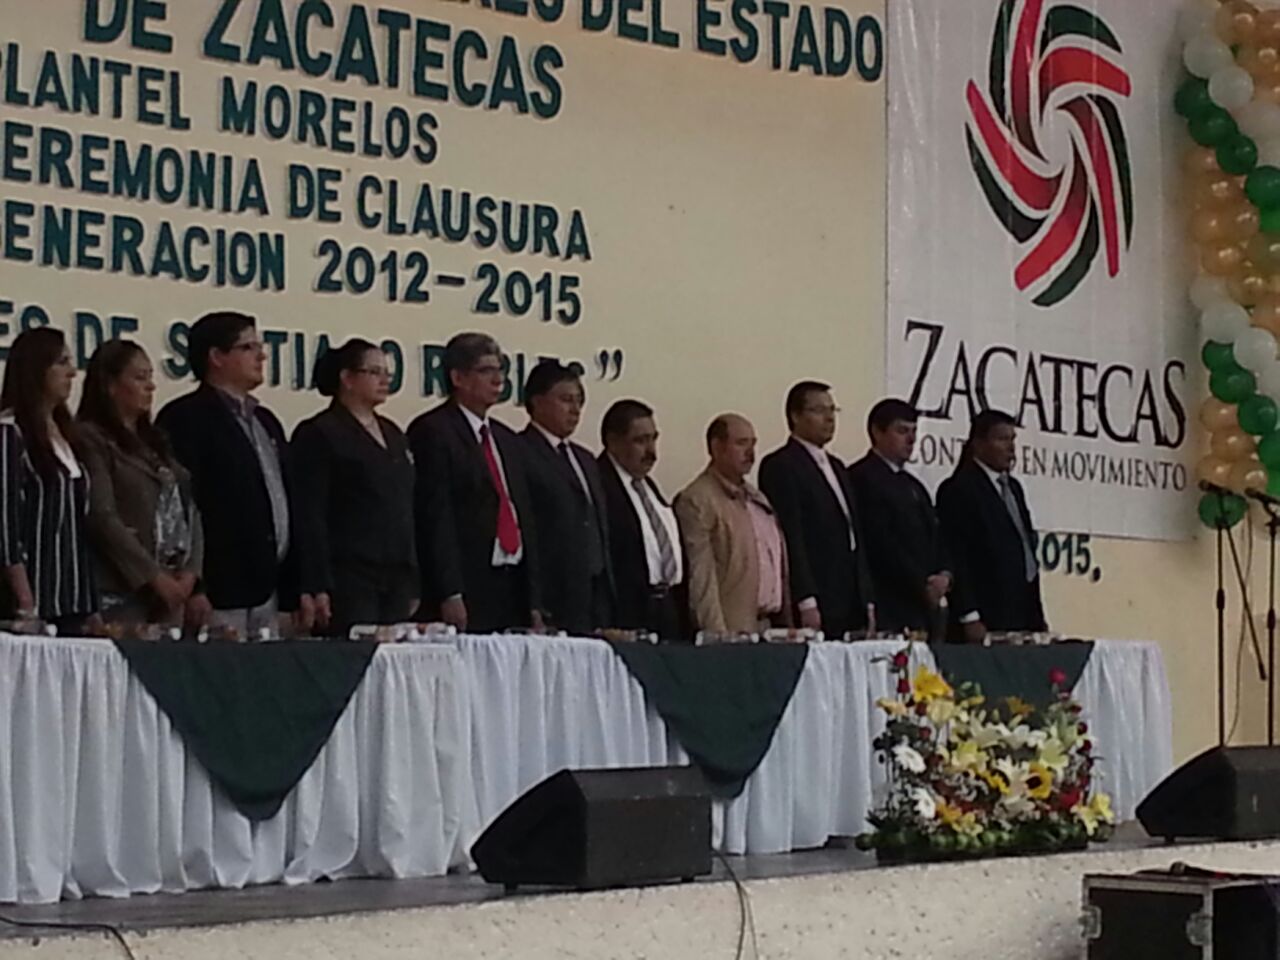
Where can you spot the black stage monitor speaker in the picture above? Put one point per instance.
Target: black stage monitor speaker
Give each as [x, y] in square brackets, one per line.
[602, 828]
[1228, 793]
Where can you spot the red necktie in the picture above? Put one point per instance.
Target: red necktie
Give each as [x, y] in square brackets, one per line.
[508, 529]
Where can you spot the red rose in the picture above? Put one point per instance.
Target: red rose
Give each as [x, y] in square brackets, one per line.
[1069, 798]
[1083, 728]
[921, 709]
[900, 661]
[1058, 677]
[1086, 747]
[904, 685]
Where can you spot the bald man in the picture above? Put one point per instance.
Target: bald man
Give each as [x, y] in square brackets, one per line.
[734, 547]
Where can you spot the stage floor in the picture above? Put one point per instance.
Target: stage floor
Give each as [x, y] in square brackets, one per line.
[309, 901]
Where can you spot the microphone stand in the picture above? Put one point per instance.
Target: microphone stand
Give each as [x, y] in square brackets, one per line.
[1273, 524]
[1221, 602]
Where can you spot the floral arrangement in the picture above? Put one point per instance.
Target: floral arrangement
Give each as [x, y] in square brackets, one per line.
[972, 779]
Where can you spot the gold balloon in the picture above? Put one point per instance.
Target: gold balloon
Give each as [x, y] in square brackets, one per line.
[1211, 469]
[1232, 444]
[1236, 22]
[1202, 160]
[1268, 89]
[1264, 250]
[1210, 226]
[1222, 260]
[1258, 61]
[1249, 286]
[1266, 314]
[1216, 415]
[1247, 474]
[1243, 222]
[1266, 28]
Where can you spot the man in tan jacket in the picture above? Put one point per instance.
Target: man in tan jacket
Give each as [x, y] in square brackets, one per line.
[735, 551]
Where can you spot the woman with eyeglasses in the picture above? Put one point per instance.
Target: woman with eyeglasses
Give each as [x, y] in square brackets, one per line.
[143, 524]
[44, 488]
[355, 481]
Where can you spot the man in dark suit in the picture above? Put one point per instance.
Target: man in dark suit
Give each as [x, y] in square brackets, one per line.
[904, 545]
[235, 451]
[568, 504]
[811, 491]
[644, 537]
[476, 542]
[990, 535]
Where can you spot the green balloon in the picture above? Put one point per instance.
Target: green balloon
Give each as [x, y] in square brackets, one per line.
[1273, 482]
[1258, 415]
[1217, 356]
[1269, 451]
[1213, 127]
[1192, 98]
[1270, 219]
[1238, 154]
[1263, 187]
[1232, 385]
[1222, 510]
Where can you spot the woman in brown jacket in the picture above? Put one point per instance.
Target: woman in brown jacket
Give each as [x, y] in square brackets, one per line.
[143, 525]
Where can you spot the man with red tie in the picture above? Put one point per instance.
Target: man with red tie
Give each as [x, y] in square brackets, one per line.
[473, 511]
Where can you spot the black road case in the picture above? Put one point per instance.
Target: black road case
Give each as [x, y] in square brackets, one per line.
[1181, 913]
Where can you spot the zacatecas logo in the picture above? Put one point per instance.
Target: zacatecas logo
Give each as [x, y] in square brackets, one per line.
[1048, 62]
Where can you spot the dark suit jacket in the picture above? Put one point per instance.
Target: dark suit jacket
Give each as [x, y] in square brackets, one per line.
[630, 562]
[987, 553]
[904, 544]
[354, 498]
[457, 509]
[564, 517]
[817, 533]
[240, 565]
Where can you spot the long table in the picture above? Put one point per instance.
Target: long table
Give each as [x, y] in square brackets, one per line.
[100, 797]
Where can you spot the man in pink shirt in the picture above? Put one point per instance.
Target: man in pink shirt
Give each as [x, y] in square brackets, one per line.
[737, 558]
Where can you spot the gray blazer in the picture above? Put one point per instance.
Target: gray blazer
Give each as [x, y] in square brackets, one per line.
[123, 494]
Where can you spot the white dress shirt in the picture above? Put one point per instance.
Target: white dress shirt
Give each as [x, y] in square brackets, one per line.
[653, 556]
[823, 460]
[973, 616]
[500, 557]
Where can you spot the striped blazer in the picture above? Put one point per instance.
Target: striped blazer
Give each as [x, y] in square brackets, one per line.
[44, 526]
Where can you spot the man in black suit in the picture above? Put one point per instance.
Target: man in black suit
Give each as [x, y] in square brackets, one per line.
[476, 543]
[811, 491]
[990, 535]
[904, 545]
[235, 451]
[644, 537]
[568, 504]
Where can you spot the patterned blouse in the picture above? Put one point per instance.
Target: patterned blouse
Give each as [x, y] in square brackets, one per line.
[43, 526]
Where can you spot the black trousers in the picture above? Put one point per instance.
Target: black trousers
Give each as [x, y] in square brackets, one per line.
[370, 594]
[662, 616]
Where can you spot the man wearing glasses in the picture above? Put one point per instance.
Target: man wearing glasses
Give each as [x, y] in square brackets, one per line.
[476, 543]
[234, 448]
[813, 496]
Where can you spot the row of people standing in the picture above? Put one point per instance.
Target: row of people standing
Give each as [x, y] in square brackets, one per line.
[211, 516]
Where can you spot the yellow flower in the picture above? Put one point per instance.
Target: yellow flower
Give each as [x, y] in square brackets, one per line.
[967, 756]
[1039, 781]
[894, 708]
[996, 781]
[1096, 811]
[1053, 756]
[1017, 707]
[930, 686]
[941, 711]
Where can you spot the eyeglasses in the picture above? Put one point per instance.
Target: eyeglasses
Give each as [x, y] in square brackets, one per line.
[487, 369]
[379, 372]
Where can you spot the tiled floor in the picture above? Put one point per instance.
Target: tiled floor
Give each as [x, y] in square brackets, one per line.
[213, 907]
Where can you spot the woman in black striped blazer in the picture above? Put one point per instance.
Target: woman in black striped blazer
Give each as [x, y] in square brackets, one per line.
[44, 488]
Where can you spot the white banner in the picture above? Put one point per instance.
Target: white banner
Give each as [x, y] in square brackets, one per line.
[1034, 265]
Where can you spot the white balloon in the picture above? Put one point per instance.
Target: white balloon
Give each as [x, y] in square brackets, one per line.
[1255, 349]
[1269, 152]
[1204, 55]
[1259, 119]
[1231, 87]
[1207, 290]
[1224, 321]
[1269, 381]
[1195, 18]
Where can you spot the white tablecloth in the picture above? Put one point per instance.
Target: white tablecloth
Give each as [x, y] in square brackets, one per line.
[100, 797]
[540, 704]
